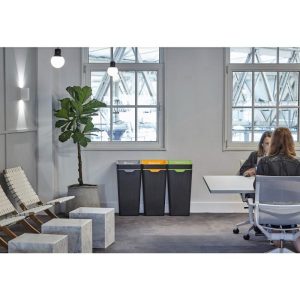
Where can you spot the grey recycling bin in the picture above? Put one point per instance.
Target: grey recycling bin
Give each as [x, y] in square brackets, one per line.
[154, 186]
[129, 186]
[179, 187]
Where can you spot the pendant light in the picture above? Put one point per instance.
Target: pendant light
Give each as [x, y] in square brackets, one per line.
[57, 61]
[112, 70]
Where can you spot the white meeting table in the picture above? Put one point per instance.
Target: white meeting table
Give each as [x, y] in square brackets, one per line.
[229, 184]
[233, 184]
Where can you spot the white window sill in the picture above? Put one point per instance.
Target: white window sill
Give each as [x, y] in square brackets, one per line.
[123, 146]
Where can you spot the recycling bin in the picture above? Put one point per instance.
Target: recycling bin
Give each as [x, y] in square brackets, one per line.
[154, 186]
[179, 187]
[129, 187]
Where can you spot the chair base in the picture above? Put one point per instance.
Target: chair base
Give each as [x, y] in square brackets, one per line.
[281, 250]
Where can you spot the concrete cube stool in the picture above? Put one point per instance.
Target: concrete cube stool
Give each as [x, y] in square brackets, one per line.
[103, 224]
[79, 233]
[38, 243]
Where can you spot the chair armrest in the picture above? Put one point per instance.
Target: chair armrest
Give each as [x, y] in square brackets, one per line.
[34, 210]
[61, 200]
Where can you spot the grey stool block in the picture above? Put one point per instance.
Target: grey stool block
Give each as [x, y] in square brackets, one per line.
[38, 243]
[79, 233]
[103, 224]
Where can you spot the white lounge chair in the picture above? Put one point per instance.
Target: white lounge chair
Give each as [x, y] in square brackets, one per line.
[22, 191]
[9, 216]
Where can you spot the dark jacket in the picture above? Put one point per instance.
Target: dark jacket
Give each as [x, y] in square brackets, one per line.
[251, 162]
[279, 165]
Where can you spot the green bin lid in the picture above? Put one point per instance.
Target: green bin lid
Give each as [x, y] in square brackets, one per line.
[179, 162]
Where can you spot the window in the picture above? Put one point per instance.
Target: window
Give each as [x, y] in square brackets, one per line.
[262, 93]
[133, 118]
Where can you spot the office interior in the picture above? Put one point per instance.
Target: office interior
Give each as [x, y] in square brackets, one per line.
[191, 124]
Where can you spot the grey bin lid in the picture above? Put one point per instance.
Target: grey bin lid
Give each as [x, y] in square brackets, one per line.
[127, 162]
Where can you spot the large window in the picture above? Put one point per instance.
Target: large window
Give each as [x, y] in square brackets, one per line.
[262, 93]
[133, 117]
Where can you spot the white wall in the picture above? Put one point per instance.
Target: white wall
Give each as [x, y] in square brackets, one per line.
[194, 85]
[18, 141]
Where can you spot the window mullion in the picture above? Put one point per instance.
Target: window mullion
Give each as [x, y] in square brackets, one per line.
[111, 109]
[277, 102]
[136, 104]
[253, 104]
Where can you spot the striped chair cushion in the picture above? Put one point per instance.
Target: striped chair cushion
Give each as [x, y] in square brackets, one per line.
[20, 187]
[5, 205]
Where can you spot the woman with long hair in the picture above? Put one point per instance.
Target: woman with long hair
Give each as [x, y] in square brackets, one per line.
[249, 166]
[281, 161]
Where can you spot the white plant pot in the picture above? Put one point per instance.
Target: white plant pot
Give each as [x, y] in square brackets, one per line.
[85, 196]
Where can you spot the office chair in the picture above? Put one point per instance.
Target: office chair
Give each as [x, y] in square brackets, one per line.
[277, 206]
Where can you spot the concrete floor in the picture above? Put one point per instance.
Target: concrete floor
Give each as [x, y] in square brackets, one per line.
[197, 233]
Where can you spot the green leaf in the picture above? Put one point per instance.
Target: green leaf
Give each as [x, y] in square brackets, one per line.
[79, 94]
[60, 123]
[71, 91]
[85, 120]
[77, 106]
[77, 136]
[88, 127]
[65, 136]
[94, 104]
[65, 103]
[86, 93]
[62, 113]
[84, 141]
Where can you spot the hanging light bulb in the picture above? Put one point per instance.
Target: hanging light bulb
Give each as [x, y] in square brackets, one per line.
[57, 61]
[112, 70]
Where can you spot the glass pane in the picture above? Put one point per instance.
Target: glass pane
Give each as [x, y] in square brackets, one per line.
[124, 55]
[99, 55]
[147, 124]
[289, 55]
[148, 55]
[241, 124]
[100, 86]
[147, 87]
[288, 88]
[264, 119]
[124, 89]
[289, 118]
[123, 124]
[241, 55]
[265, 55]
[102, 121]
[265, 87]
[242, 89]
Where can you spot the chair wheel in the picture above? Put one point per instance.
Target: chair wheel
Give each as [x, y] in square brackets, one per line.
[235, 230]
[246, 237]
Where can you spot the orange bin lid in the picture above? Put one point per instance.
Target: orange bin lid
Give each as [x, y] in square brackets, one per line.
[154, 162]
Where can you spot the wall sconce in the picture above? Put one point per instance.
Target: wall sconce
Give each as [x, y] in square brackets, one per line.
[23, 94]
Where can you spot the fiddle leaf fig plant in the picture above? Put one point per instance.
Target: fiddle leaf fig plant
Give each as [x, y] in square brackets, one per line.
[75, 119]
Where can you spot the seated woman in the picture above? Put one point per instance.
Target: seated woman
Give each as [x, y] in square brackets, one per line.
[249, 166]
[281, 159]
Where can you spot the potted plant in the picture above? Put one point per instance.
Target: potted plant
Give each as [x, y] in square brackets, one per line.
[75, 120]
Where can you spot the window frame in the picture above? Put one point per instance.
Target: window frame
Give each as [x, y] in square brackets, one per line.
[228, 144]
[158, 145]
